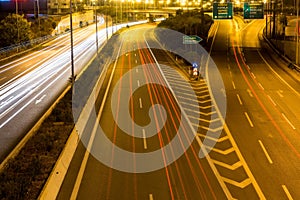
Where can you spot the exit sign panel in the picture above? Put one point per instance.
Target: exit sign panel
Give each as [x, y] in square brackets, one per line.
[222, 10]
[253, 10]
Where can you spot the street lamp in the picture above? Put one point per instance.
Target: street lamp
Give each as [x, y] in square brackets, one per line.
[72, 53]
[297, 36]
[96, 21]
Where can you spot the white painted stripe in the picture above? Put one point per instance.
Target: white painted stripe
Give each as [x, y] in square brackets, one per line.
[289, 196]
[248, 67]
[150, 197]
[16, 71]
[135, 61]
[230, 73]
[265, 152]
[233, 85]
[249, 92]
[270, 67]
[137, 70]
[144, 139]
[260, 85]
[138, 83]
[288, 121]
[135, 54]
[279, 93]
[253, 75]
[140, 101]
[273, 102]
[239, 98]
[248, 118]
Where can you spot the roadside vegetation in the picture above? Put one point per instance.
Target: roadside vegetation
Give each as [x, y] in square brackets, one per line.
[16, 29]
[189, 23]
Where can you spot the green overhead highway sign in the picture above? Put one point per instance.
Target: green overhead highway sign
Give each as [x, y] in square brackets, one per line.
[191, 39]
[253, 10]
[222, 10]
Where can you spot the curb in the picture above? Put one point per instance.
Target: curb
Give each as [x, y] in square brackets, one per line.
[56, 178]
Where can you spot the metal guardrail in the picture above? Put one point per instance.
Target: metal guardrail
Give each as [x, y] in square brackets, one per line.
[6, 51]
[291, 65]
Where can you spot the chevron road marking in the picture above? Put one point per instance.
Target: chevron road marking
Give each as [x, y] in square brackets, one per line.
[231, 167]
[214, 139]
[241, 184]
[212, 129]
[224, 152]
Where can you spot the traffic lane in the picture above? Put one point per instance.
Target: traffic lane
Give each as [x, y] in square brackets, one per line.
[221, 43]
[14, 93]
[25, 114]
[47, 52]
[106, 123]
[26, 109]
[250, 34]
[282, 95]
[256, 116]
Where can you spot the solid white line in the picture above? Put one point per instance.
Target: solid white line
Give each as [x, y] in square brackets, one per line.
[265, 152]
[141, 104]
[233, 84]
[150, 197]
[270, 67]
[288, 121]
[289, 196]
[260, 85]
[239, 98]
[144, 139]
[138, 83]
[92, 137]
[272, 100]
[248, 118]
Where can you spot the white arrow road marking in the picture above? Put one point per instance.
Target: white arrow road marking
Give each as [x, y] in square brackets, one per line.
[279, 92]
[249, 92]
[40, 99]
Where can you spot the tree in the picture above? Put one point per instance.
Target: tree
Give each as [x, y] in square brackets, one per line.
[14, 29]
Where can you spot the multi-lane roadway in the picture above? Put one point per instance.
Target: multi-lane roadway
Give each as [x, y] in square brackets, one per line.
[255, 157]
[131, 149]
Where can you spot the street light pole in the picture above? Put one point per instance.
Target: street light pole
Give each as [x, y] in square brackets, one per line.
[72, 53]
[96, 30]
[297, 36]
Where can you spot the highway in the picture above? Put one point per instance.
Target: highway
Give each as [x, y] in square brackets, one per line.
[256, 156]
[150, 123]
[31, 83]
[138, 180]
[262, 107]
